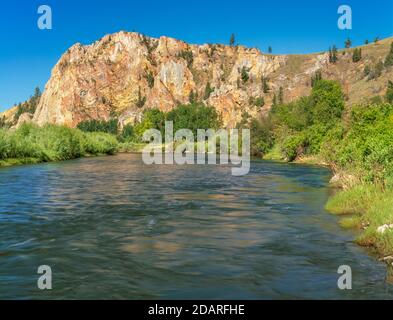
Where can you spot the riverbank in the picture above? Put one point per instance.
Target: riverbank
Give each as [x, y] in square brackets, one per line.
[365, 207]
[32, 144]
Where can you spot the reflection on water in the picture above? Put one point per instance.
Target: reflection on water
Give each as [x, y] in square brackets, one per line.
[111, 227]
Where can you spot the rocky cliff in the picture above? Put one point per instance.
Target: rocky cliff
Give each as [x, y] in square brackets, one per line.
[125, 73]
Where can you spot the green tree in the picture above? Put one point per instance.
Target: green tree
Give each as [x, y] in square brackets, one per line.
[389, 57]
[274, 101]
[265, 85]
[357, 55]
[193, 97]
[333, 54]
[208, 91]
[316, 77]
[366, 70]
[151, 119]
[327, 100]
[194, 116]
[141, 100]
[93, 125]
[280, 95]
[389, 92]
[244, 74]
[376, 72]
[188, 56]
[149, 78]
[232, 40]
[348, 43]
[127, 133]
[270, 50]
[262, 137]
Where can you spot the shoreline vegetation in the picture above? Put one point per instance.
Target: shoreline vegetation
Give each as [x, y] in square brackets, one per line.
[355, 142]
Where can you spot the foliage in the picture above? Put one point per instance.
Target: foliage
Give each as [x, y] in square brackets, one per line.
[357, 55]
[316, 77]
[261, 136]
[389, 57]
[149, 78]
[141, 100]
[389, 92]
[30, 105]
[232, 40]
[265, 85]
[244, 74]
[208, 91]
[193, 97]
[151, 119]
[188, 56]
[110, 126]
[53, 143]
[259, 102]
[280, 95]
[127, 133]
[333, 54]
[194, 116]
[376, 72]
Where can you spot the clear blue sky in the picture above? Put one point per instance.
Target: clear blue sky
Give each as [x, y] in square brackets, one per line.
[28, 54]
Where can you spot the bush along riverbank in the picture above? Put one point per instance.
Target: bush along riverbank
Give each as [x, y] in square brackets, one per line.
[33, 144]
[356, 142]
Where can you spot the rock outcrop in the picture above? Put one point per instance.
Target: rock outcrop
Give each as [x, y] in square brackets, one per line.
[123, 74]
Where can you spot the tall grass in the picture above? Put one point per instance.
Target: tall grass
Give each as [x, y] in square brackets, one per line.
[367, 207]
[53, 143]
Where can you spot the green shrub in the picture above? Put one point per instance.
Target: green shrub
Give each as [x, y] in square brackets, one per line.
[127, 133]
[53, 143]
[110, 126]
[100, 143]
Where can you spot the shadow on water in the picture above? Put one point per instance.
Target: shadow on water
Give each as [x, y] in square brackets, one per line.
[111, 227]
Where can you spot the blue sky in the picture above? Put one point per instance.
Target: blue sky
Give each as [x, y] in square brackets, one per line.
[28, 54]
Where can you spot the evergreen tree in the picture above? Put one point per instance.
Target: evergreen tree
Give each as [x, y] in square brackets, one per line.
[334, 54]
[389, 57]
[141, 100]
[208, 91]
[281, 96]
[357, 55]
[193, 97]
[366, 71]
[244, 74]
[232, 40]
[366, 41]
[270, 50]
[274, 101]
[265, 85]
[348, 43]
[316, 77]
[389, 92]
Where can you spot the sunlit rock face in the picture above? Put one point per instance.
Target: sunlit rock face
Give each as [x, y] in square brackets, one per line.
[123, 74]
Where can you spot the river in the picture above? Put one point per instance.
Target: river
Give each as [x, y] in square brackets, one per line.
[114, 228]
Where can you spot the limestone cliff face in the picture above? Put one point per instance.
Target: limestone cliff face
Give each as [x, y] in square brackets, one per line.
[123, 74]
[112, 76]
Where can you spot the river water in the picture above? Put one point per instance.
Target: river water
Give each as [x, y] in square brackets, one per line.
[114, 228]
